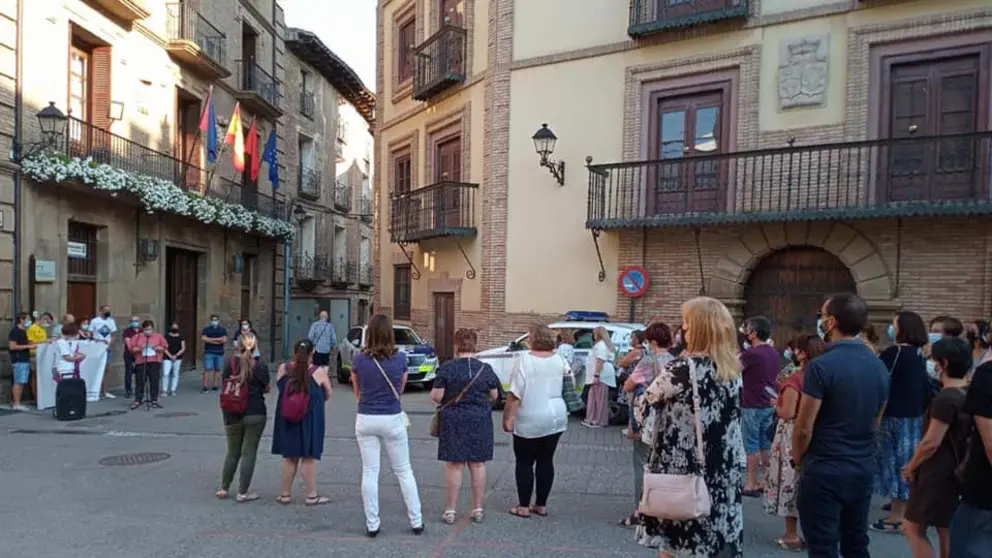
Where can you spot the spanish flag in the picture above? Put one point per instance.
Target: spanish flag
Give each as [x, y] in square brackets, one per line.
[236, 139]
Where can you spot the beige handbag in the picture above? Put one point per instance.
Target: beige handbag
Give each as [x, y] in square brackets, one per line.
[679, 497]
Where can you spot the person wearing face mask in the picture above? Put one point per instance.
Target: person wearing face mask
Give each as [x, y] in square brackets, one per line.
[902, 422]
[324, 339]
[173, 361]
[103, 328]
[214, 337]
[84, 329]
[19, 347]
[67, 318]
[979, 334]
[133, 328]
[148, 348]
[38, 335]
[760, 362]
[245, 329]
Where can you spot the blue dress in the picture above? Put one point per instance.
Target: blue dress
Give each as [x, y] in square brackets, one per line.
[304, 439]
[466, 427]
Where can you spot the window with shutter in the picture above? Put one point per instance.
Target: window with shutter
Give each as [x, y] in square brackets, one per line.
[101, 61]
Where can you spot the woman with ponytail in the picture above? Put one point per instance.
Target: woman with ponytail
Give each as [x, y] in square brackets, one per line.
[299, 439]
[244, 430]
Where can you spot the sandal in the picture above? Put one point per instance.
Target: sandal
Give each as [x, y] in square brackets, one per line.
[629, 521]
[448, 517]
[791, 546]
[284, 499]
[525, 514]
[155, 405]
[243, 498]
[221, 494]
[135, 405]
[753, 493]
[478, 515]
[316, 500]
[885, 526]
[541, 511]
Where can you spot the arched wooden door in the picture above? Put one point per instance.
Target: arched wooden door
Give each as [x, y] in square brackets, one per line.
[788, 287]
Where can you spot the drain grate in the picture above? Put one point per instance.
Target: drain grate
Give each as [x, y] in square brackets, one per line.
[129, 459]
[177, 414]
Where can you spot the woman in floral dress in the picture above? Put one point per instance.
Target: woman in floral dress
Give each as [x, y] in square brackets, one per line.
[781, 477]
[711, 342]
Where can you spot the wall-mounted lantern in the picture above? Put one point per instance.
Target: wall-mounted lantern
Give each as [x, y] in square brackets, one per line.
[116, 111]
[149, 249]
[52, 122]
[544, 144]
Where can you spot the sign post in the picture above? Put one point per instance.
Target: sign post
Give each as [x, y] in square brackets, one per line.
[634, 282]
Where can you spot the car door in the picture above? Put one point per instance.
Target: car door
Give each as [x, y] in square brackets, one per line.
[353, 342]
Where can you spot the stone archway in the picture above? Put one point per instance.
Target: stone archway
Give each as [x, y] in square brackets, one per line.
[872, 278]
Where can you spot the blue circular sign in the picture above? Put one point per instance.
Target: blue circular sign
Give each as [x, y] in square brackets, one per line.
[634, 282]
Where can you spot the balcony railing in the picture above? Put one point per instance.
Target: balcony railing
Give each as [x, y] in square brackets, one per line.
[308, 103]
[192, 37]
[344, 271]
[258, 89]
[365, 274]
[310, 182]
[442, 209]
[342, 196]
[83, 140]
[342, 130]
[311, 268]
[365, 208]
[439, 62]
[913, 176]
[653, 16]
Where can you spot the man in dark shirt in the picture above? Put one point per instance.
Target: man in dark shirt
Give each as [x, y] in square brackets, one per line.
[844, 394]
[20, 358]
[760, 368]
[214, 336]
[971, 529]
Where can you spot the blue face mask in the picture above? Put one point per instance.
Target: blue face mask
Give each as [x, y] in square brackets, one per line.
[934, 337]
[892, 332]
[214, 322]
[819, 329]
[787, 354]
[747, 345]
[135, 324]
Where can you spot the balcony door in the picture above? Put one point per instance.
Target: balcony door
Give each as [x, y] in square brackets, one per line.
[452, 13]
[682, 128]
[448, 170]
[187, 150]
[936, 97]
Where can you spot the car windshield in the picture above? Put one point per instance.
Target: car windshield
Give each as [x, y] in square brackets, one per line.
[406, 336]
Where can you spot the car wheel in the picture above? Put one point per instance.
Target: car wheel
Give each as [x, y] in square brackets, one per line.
[342, 377]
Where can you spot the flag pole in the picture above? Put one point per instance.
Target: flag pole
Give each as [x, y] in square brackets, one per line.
[186, 162]
[210, 176]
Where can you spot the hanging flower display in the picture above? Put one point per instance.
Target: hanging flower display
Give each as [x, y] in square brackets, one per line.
[154, 194]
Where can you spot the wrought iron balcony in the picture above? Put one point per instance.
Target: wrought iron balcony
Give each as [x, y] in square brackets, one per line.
[344, 272]
[439, 62]
[310, 182]
[311, 269]
[365, 274]
[195, 42]
[339, 150]
[435, 211]
[258, 90]
[125, 10]
[84, 140]
[308, 103]
[903, 177]
[653, 16]
[365, 208]
[342, 196]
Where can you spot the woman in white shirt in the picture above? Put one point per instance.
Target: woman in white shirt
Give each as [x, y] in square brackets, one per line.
[601, 376]
[535, 412]
[67, 349]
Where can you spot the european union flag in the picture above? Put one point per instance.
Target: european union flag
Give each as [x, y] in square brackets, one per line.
[271, 157]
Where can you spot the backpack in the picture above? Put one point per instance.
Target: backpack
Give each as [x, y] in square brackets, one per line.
[234, 394]
[295, 403]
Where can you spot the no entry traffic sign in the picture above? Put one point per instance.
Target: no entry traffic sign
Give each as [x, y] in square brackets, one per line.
[634, 281]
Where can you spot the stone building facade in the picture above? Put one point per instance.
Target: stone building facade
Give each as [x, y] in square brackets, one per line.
[764, 152]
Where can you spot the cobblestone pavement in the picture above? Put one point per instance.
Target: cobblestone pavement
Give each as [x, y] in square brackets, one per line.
[60, 501]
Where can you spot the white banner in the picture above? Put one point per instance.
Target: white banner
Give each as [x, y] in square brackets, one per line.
[91, 370]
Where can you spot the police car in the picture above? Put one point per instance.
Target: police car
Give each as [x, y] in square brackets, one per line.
[581, 324]
[421, 358]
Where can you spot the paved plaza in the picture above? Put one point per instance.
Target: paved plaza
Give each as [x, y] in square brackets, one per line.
[60, 501]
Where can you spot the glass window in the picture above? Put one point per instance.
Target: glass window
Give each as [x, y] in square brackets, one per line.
[406, 336]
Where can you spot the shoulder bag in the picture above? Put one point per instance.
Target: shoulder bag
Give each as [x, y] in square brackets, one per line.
[680, 497]
[573, 402]
[405, 417]
[436, 419]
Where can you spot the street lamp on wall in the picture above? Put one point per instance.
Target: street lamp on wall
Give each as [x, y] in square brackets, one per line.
[52, 122]
[544, 144]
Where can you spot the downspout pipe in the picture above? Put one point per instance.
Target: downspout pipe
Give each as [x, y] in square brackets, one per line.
[287, 267]
[18, 152]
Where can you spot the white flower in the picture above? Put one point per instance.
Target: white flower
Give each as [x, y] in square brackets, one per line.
[154, 194]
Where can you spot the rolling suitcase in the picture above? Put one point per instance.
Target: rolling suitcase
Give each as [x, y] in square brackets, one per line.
[70, 399]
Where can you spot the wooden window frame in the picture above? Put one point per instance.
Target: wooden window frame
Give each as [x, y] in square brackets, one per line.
[76, 49]
[436, 143]
[402, 86]
[404, 52]
[88, 234]
[405, 310]
[396, 158]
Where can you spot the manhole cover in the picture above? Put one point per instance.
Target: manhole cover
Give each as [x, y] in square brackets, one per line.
[176, 414]
[133, 459]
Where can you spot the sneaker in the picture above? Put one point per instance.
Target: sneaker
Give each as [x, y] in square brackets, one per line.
[128, 395]
[213, 388]
[204, 390]
[20, 408]
[108, 395]
[625, 432]
[172, 394]
[163, 394]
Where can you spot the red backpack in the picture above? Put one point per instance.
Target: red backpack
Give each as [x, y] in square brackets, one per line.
[295, 402]
[234, 394]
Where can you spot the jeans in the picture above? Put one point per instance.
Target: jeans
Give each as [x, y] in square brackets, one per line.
[128, 369]
[242, 445]
[971, 532]
[170, 375]
[834, 509]
[150, 372]
[535, 465]
[374, 431]
[758, 425]
[642, 452]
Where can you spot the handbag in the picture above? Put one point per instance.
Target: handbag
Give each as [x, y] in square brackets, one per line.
[403, 415]
[680, 497]
[573, 402]
[436, 419]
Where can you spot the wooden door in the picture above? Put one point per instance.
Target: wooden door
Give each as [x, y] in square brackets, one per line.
[935, 98]
[363, 311]
[247, 280]
[788, 288]
[181, 286]
[188, 112]
[448, 169]
[248, 45]
[80, 300]
[685, 127]
[452, 13]
[444, 326]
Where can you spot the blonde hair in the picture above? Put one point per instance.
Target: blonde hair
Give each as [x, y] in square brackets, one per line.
[246, 361]
[711, 332]
[602, 334]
